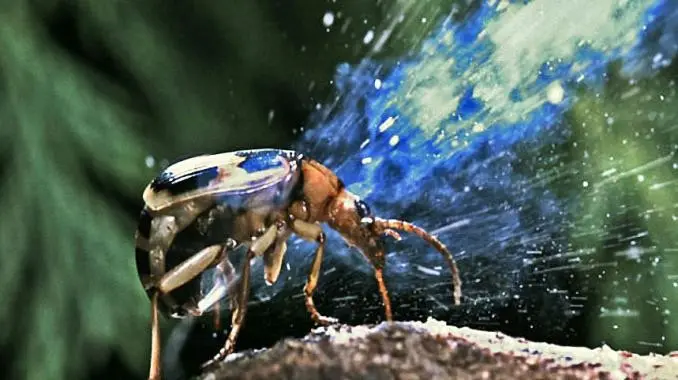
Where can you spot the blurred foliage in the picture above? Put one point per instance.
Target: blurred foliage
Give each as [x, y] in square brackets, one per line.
[624, 145]
[89, 92]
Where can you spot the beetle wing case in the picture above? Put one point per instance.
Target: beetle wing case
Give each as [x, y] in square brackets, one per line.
[233, 174]
[231, 187]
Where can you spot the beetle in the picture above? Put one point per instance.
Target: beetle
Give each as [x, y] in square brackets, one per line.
[201, 209]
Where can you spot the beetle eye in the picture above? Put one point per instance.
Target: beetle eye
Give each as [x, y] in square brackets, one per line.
[362, 209]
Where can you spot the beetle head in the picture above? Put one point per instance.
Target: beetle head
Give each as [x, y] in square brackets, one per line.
[352, 218]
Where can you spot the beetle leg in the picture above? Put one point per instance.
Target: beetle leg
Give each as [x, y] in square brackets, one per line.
[165, 228]
[239, 309]
[224, 278]
[273, 258]
[313, 232]
[189, 269]
[379, 275]
[155, 372]
[257, 248]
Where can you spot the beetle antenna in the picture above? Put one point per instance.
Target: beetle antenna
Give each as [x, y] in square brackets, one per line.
[393, 224]
[392, 234]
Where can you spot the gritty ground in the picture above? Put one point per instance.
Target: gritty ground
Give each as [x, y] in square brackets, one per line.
[433, 351]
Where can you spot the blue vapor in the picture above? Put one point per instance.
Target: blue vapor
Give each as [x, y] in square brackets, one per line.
[477, 175]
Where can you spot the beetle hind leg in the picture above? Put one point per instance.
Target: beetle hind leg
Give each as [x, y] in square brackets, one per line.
[313, 232]
[155, 367]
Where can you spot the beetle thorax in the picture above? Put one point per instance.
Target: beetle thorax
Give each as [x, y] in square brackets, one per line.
[320, 187]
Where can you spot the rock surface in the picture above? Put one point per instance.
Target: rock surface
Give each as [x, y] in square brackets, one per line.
[434, 351]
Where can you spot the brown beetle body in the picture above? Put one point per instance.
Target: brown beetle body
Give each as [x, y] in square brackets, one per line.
[213, 201]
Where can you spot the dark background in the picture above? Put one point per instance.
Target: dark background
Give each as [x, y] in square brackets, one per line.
[91, 91]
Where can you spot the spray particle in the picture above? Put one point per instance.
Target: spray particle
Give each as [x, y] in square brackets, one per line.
[555, 93]
[368, 37]
[328, 19]
[377, 83]
[150, 161]
[388, 123]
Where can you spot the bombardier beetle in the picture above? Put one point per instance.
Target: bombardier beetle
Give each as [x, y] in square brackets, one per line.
[200, 210]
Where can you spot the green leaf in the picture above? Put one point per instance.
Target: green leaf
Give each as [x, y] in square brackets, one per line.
[71, 294]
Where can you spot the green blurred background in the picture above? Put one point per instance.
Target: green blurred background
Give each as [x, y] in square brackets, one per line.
[92, 89]
[96, 96]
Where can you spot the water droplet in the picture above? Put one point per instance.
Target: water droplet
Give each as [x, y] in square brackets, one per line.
[585, 183]
[369, 36]
[394, 140]
[328, 19]
[377, 83]
[555, 93]
[150, 161]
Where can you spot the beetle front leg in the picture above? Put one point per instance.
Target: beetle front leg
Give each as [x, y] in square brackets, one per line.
[273, 257]
[313, 232]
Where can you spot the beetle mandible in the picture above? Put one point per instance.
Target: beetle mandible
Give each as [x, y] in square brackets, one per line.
[199, 210]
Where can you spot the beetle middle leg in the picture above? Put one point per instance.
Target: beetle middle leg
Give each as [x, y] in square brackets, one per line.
[313, 232]
[273, 257]
[257, 248]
